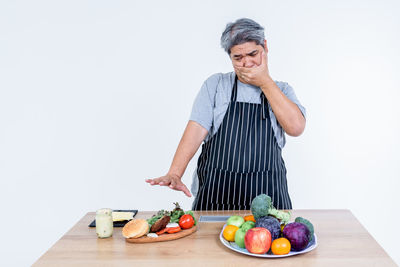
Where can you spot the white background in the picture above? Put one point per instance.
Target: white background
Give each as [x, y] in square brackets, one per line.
[95, 96]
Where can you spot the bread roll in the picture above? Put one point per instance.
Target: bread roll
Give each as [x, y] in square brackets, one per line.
[135, 228]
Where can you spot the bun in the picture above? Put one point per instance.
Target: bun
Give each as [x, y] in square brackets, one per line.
[135, 228]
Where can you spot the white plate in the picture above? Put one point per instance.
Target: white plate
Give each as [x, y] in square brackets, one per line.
[232, 245]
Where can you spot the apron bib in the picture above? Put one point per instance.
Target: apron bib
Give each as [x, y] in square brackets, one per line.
[241, 161]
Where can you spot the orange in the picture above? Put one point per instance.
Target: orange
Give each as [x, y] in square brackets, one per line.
[249, 218]
[280, 246]
[229, 232]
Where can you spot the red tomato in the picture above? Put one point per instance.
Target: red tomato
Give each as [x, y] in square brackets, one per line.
[186, 221]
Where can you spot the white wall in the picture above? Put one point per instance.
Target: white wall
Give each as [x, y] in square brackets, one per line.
[95, 96]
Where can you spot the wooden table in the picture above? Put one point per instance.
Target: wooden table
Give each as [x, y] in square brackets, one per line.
[342, 241]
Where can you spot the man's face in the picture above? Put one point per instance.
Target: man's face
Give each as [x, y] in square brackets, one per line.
[247, 54]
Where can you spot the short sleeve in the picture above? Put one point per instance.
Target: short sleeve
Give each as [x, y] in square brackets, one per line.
[203, 106]
[289, 92]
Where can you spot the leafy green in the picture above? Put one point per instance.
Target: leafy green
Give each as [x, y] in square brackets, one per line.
[156, 217]
[175, 215]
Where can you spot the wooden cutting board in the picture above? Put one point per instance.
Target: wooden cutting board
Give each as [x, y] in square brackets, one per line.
[163, 237]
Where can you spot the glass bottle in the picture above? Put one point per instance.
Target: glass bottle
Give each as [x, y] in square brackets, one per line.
[104, 223]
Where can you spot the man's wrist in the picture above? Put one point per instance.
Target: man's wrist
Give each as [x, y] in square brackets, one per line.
[268, 82]
[174, 174]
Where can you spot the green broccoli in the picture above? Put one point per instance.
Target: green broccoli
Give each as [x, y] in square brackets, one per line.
[260, 206]
[281, 215]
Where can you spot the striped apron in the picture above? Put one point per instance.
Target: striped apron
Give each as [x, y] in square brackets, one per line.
[241, 161]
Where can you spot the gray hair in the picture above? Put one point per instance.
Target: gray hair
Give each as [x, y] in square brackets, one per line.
[242, 31]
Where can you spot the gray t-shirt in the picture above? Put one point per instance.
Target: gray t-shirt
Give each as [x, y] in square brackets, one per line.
[212, 102]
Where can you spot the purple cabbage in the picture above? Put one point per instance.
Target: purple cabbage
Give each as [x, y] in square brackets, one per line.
[270, 223]
[297, 234]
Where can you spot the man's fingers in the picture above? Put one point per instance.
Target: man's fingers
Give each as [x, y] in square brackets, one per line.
[178, 185]
[263, 58]
[241, 74]
[187, 192]
[159, 181]
[243, 70]
[152, 181]
[182, 187]
[165, 181]
[173, 184]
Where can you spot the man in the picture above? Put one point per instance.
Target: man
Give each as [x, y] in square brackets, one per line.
[242, 117]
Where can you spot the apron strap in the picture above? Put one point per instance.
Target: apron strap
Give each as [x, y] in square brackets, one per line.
[234, 90]
[264, 106]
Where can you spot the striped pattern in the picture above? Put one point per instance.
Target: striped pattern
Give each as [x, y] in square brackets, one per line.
[241, 161]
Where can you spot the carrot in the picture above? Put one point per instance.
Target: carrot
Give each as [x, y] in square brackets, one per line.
[173, 230]
[162, 231]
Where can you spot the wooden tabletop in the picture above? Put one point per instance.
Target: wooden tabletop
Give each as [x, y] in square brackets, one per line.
[342, 241]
